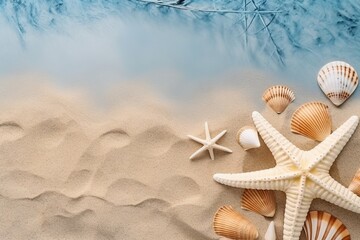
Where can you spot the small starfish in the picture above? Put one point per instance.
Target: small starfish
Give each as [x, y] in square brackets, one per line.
[302, 175]
[209, 143]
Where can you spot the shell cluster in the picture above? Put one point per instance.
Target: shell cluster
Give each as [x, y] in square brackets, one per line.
[312, 120]
[259, 201]
[231, 224]
[248, 138]
[278, 97]
[338, 80]
[323, 226]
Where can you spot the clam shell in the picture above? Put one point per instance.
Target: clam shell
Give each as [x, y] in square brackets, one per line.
[278, 97]
[323, 226]
[248, 137]
[231, 224]
[338, 80]
[271, 232]
[355, 183]
[259, 201]
[312, 120]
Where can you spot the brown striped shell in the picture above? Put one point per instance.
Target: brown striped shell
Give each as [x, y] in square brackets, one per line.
[312, 120]
[259, 201]
[278, 97]
[355, 183]
[323, 226]
[231, 224]
[338, 80]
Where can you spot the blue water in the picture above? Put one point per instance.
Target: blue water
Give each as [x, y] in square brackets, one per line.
[175, 45]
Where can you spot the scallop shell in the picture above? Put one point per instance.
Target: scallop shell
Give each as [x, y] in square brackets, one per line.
[355, 183]
[323, 226]
[231, 224]
[312, 120]
[338, 80]
[248, 138]
[271, 232]
[278, 97]
[259, 201]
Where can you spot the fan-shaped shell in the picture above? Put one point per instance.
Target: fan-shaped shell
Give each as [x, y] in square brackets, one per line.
[231, 224]
[248, 138]
[355, 183]
[312, 120]
[259, 201]
[338, 80]
[323, 226]
[278, 97]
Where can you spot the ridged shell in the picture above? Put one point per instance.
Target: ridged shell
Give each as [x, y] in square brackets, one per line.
[259, 201]
[248, 137]
[312, 120]
[338, 80]
[271, 232]
[278, 97]
[231, 224]
[323, 226]
[355, 183]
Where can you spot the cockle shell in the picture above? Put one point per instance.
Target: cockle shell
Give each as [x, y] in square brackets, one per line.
[271, 232]
[323, 226]
[259, 201]
[338, 80]
[231, 224]
[278, 97]
[355, 183]
[248, 137]
[312, 120]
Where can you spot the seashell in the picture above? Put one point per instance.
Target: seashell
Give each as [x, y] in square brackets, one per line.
[278, 97]
[259, 201]
[338, 80]
[231, 224]
[312, 120]
[355, 183]
[248, 137]
[322, 226]
[271, 232]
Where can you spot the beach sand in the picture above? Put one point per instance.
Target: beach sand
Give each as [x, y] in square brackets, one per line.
[69, 170]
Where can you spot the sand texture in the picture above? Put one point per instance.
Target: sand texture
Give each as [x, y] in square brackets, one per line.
[69, 171]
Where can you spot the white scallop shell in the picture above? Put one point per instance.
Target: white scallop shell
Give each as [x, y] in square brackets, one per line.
[338, 80]
[248, 137]
[278, 97]
[323, 226]
[271, 232]
[231, 224]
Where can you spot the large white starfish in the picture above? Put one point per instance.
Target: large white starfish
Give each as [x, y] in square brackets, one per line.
[302, 175]
[209, 143]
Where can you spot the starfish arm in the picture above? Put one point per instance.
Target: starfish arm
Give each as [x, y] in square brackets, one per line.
[326, 152]
[298, 203]
[207, 132]
[222, 148]
[211, 152]
[215, 139]
[200, 150]
[332, 191]
[284, 152]
[196, 139]
[277, 178]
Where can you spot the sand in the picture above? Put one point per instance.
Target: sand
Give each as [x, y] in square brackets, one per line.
[71, 170]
